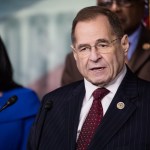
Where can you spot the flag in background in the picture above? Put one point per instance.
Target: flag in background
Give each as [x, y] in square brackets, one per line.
[147, 14]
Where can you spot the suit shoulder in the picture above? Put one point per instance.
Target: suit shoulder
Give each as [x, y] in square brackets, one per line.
[65, 90]
[145, 39]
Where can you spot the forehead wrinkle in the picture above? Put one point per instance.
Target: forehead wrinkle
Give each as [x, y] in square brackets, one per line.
[92, 31]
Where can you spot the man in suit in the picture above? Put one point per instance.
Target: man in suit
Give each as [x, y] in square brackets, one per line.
[73, 117]
[130, 13]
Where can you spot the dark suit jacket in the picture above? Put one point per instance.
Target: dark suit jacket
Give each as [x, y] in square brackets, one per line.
[120, 129]
[139, 63]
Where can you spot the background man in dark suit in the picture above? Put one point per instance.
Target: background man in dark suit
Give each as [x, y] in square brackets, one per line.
[130, 13]
[123, 115]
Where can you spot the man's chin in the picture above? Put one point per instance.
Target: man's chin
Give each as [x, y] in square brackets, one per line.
[98, 82]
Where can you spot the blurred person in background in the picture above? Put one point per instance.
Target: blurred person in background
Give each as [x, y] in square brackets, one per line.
[15, 120]
[131, 14]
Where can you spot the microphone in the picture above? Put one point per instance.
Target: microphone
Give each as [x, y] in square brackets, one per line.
[48, 106]
[9, 102]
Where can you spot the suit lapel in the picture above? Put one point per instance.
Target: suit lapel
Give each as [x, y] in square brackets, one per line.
[142, 53]
[73, 108]
[115, 118]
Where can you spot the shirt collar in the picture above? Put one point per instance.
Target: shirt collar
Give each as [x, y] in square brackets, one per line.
[133, 40]
[135, 34]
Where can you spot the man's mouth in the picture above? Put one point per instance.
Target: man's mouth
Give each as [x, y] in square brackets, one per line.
[97, 68]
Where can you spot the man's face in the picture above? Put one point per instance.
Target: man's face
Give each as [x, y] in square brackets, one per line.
[129, 15]
[99, 68]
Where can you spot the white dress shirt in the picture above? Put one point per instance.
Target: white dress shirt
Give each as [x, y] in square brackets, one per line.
[88, 99]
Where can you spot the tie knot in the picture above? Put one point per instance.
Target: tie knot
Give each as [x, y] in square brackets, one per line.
[99, 93]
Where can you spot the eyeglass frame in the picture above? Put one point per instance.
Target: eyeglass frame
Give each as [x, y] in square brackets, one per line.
[100, 43]
[122, 3]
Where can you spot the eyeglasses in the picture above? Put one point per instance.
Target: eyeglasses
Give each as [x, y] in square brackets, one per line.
[122, 3]
[102, 46]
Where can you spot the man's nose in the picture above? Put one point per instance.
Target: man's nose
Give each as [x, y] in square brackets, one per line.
[95, 55]
[114, 7]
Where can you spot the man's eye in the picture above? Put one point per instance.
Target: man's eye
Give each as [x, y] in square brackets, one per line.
[84, 49]
[102, 45]
[105, 4]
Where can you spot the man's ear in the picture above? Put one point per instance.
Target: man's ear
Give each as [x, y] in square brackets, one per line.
[74, 52]
[125, 43]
